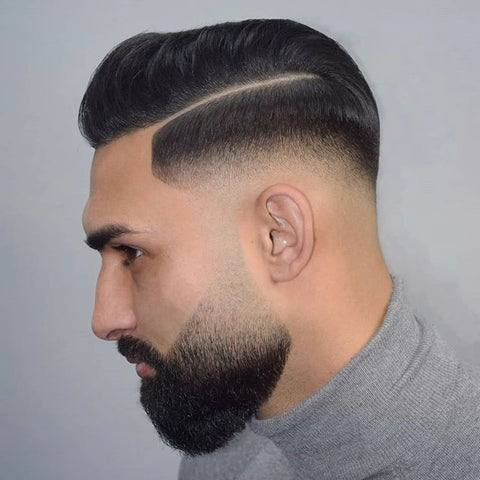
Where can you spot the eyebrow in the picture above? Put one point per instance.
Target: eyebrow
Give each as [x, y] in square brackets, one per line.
[102, 236]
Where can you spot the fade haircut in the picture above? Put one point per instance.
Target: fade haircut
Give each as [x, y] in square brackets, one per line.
[236, 98]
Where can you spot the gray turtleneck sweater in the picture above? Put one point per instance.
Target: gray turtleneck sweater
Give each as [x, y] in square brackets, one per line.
[403, 408]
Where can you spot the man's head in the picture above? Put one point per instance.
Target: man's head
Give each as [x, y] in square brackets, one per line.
[230, 163]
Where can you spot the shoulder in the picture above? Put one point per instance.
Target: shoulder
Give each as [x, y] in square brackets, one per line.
[453, 450]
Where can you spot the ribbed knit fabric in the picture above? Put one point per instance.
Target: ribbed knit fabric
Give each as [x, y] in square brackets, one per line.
[247, 457]
[402, 408]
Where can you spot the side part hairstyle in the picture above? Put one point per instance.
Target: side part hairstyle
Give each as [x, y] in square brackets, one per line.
[236, 98]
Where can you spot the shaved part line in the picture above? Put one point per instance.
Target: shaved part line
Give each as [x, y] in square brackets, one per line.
[233, 90]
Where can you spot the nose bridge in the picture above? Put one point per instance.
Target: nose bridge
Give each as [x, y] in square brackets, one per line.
[113, 314]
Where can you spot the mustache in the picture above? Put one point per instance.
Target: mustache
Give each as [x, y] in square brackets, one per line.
[139, 351]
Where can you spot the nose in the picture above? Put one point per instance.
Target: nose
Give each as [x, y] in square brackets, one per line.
[113, 315]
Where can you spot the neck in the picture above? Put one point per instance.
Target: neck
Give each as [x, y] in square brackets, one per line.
[350, 304]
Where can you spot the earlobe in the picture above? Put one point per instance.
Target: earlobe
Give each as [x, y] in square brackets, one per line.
[290, 230]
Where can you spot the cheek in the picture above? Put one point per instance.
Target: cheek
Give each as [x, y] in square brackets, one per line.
[169, 290]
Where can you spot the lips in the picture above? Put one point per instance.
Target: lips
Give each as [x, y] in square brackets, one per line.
[144, 369]
[135, 352]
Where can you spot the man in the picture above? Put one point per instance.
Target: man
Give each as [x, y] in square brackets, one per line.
[233, 202]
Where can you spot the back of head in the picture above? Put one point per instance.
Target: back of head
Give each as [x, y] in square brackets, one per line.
[236, 98]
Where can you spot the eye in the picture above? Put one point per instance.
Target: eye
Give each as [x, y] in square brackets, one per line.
[130, 253]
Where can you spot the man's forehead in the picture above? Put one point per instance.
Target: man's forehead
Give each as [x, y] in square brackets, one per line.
[120, 180]
[132, 149]
[123, 165]
[124, 190]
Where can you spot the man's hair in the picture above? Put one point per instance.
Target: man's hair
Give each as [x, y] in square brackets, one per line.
[237, 97]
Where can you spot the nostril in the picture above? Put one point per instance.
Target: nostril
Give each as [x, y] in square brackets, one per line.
[114, 335]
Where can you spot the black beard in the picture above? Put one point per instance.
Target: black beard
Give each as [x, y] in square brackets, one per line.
[206, 389]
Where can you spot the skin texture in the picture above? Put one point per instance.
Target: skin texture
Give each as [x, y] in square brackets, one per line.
[302, 253]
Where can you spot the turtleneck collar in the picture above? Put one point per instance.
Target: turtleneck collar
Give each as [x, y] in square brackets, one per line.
[376, 409]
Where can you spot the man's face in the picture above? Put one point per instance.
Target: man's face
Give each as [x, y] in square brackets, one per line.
[175, 293]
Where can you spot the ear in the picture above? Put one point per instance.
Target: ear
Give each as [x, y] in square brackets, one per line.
[288, 238]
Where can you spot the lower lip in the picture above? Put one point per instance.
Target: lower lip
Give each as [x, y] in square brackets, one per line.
[144, 369]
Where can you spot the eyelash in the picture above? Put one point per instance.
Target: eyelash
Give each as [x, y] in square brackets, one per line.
[129, 252]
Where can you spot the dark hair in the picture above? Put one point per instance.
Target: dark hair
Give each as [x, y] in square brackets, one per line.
[296, 88]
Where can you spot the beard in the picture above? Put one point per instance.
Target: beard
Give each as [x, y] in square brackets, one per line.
[222, 367]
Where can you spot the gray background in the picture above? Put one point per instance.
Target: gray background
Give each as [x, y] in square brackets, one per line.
[69, 403]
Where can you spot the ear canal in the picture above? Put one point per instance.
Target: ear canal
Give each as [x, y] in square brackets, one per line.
[279, 242]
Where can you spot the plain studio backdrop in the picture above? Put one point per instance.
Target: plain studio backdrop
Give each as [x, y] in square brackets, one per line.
[69, 402]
